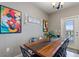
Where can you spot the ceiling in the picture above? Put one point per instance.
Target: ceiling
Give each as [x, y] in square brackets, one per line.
[47, 6]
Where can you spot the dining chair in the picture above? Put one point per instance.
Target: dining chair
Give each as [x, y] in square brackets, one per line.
[27, 53]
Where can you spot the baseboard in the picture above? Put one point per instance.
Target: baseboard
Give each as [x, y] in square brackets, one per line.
[19, 55]
[73, 50]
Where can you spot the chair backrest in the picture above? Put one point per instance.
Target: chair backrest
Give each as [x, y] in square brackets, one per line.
[25, 52]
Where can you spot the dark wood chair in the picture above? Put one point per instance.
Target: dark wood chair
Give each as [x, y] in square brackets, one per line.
[62, 50]
[27, 53]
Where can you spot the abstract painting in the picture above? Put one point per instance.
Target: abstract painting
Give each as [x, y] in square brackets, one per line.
[10, 20]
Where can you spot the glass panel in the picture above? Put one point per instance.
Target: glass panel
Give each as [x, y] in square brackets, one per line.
[69, 24]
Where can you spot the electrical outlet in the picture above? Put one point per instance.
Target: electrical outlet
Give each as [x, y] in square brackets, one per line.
[7, 49]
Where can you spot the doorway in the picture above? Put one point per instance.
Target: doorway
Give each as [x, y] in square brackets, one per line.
[70, 27]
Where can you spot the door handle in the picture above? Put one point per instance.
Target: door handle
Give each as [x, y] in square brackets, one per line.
[76, 33]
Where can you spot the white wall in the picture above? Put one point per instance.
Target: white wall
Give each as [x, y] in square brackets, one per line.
[13, 41]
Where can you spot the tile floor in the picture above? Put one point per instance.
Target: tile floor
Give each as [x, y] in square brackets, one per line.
[71, 54]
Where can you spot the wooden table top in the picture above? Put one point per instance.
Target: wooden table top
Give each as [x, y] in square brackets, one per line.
[45, 48]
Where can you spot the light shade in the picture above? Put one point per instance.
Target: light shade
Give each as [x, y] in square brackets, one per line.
[57, 5]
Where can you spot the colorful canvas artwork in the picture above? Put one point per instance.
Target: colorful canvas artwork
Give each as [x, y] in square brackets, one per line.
[10, 20]
[45, 26]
